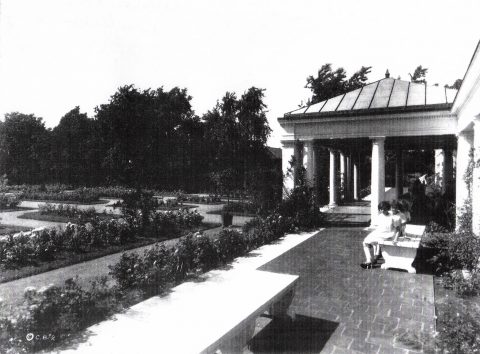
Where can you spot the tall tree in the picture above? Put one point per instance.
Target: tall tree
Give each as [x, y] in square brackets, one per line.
[139, 132]
[329, 83]
[75, 150]
[24, 148]
[238, 130]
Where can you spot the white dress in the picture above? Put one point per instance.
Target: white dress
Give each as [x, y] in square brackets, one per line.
[384, 230]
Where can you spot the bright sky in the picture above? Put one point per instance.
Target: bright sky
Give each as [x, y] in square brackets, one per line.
[57, 54]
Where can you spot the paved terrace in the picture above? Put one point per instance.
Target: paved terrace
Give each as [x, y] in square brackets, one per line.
[342, 308]
[338, 307]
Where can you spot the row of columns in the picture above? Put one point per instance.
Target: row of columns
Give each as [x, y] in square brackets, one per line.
[349, 177]
[307, 154]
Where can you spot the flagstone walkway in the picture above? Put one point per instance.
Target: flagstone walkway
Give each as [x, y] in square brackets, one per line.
[341, 308]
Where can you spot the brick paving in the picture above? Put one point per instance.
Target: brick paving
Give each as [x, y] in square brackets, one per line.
[341, 308]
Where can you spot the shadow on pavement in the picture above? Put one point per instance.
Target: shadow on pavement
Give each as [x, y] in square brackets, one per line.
[301, 335]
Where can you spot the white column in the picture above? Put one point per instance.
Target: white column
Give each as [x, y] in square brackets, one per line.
[398, 173]
[378, 176]
[309, 162]
[464, 144]
[287, 155]
[476, 178]
[333, 186]
[298, 159]
[356, 180]
[439, 166]
[343, 172]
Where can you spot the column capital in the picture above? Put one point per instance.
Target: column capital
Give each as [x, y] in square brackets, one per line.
[287, 143]
[376, 139]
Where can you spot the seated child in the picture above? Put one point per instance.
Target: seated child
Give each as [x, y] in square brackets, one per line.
[384, 231]
[399, 219]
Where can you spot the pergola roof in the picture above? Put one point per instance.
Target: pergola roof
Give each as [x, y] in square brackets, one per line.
[382, 95]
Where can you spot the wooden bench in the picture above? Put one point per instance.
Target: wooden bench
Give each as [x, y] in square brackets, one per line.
[401, 254]
[215, 316]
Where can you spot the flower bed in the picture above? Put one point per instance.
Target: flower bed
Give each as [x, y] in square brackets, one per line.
[69, 211]
[29, 248]
[141, 276]
[9, 201]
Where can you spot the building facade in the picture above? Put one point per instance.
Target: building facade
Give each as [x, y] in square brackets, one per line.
[340, 134]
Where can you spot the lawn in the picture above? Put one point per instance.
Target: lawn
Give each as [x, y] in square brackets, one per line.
[12, 229]
[99, 201]
[66, 258]
[176, 207]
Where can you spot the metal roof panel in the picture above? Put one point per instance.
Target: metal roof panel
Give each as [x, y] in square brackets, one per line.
[416, 94]
[349, 100]
[365, 97]
[382, 94]
[398, 98]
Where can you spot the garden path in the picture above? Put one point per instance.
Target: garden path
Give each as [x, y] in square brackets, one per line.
[12, 217]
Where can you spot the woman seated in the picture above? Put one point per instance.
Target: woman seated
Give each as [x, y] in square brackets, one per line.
[385, 230]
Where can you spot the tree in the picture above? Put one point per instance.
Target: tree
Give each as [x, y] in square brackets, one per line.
[238, 131]
[329, 83]
[456, 85]
[140, 131]
[24, 148]
[419, 75]
[75, 150]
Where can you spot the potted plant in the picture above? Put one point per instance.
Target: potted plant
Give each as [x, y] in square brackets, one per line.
[224, 182]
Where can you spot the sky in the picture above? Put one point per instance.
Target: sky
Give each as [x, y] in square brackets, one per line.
[58, 54]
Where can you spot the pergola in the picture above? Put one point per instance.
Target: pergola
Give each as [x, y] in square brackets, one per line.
[389, 114]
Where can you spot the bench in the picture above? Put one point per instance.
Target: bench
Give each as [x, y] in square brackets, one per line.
[214, 316]
[401, 254]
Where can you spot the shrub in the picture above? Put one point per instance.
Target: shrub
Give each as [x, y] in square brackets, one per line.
[230, 244]
[139, 205]
[67, 210]
[185, 255]
[152, 273]
[301, 208]
[460, 333]
[206, 254]
[53, 313]
[8, 201]
[455, 250]
[57, 193]
[463, 286]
